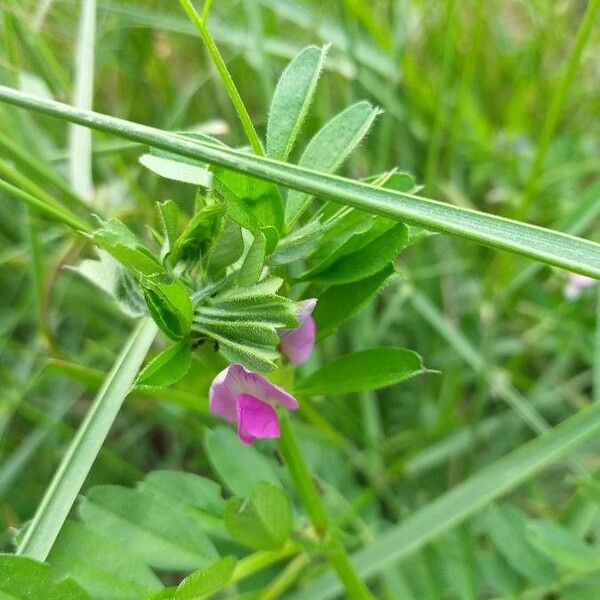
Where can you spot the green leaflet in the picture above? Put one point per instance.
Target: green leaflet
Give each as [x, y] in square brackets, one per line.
[340, 302]
[163, 521]
[364, 370]
[244, 321]
[169, 215]
[206, 581]
[264, 520]
[168, 367]
[118, 240]
[197, 235]
[226, 454]
[170, 305]
[99, 564]
[251, 201]
[22, 578]
[291, 101]
[365, 260]
[298, 244]
[177, 170]
[328, 149]
[136, 521]
[226, 249]
[254, 261]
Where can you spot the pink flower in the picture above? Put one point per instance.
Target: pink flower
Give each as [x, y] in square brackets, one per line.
[246, 398]
[576, 284]
[297, 344]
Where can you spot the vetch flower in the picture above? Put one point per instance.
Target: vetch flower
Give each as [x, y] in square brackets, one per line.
[297, 344]
[576, 284]
[246, 398]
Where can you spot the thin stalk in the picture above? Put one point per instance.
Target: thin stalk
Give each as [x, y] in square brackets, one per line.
[550, 247]
[38, 169]
[70, 476]
[302, 478]
[557, 105]
[60, 214]
[23, 182]
[199, 22]
[80, 138]
[260, 560]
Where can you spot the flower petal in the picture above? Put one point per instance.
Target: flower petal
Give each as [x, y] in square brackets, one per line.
[306, 309]
[221, 396]
[256, 419]
[576, 284]
[236, 380]
[298, 344]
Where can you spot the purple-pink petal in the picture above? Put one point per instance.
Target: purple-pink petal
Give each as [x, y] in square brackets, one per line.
[298, 344]
[576, 284]
[234, 381]
[255, 419]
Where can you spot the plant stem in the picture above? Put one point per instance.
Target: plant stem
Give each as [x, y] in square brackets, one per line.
[302, 478]
[40, 170]
[550, 247]
[60, 214]
[557, 105]
[70, 476]
[80, 138]
[259, 560]
[199, 22]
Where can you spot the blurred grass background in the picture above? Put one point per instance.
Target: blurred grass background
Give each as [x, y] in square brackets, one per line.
[467, 89]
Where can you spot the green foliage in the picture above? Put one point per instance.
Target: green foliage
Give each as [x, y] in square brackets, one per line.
[135, 519]
[23, 579]
[365, 370]
[118, 240]
[207, 581]
[340, 302]
[367, 257]
[226, 455]
[262, 521]
[123, 534]
[177, 170]
[291, 101]
[399, 486]
[168, 367]
[329, 148]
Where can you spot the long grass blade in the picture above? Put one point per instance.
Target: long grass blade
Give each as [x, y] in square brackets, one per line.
[80, 138]
[464, 500]
[79, 458]
[551, 247]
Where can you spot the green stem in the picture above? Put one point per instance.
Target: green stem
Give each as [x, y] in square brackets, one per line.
[39, 170]
[70, 476]
[259, 560]
[557, 105]
[303, 481]
[547, 246]
[60, 214]
[199, 22]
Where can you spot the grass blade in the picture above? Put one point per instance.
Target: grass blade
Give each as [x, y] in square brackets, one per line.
[80, 138]
[551, 247]
[79, 458]
[464, 500]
